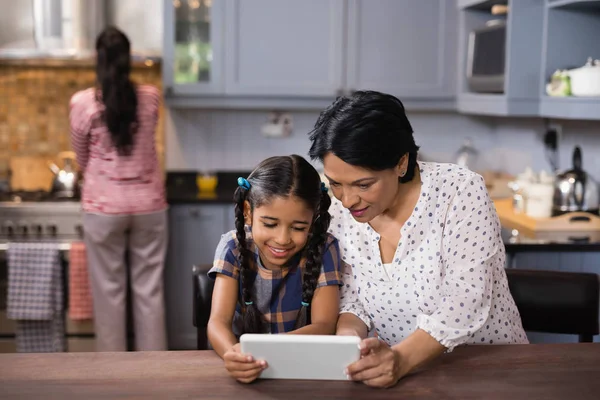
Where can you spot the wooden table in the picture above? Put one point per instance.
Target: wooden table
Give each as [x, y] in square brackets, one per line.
[558, 371]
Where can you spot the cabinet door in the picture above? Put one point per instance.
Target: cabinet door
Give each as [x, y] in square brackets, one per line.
[284, 47]
[193, 47]
[194, 232]
[403, 47]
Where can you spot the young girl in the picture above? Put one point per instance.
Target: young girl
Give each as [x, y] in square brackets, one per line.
[278, 271]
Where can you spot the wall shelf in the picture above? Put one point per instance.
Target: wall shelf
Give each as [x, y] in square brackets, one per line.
[524, 27]
[575, 4]
[479, 4]
[584, 108]
[496, 105]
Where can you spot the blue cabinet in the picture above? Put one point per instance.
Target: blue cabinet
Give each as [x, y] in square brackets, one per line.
[194, 232]
[403, 47]
[301, 55]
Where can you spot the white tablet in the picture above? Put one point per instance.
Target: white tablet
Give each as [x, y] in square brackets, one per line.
[323, 357]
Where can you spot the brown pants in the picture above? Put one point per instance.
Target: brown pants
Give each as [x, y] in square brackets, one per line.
[107, 237]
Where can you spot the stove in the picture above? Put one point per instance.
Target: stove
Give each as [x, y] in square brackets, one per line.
[36, 216]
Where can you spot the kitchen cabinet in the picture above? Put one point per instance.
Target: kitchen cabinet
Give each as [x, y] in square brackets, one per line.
[572, 28]
[542, 36]
[289, 48]
[193, 47]
[403, 47]
[523, 51]
[300, 55]
[194, 232]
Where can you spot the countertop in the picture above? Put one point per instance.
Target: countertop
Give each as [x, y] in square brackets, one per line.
[181, 188]
[552, 371]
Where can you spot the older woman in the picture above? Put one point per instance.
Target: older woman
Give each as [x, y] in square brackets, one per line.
[421, 242]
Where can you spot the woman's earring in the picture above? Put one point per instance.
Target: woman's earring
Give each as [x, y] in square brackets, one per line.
[402, 174]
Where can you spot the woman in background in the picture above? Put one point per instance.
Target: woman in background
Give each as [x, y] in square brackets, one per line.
[112, 132]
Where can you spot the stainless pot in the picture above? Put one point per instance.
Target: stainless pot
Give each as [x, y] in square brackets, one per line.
[575, 190]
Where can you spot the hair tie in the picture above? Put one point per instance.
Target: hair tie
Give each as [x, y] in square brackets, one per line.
[323, 187]
[305, 304]
[243, 182]
[249, 303]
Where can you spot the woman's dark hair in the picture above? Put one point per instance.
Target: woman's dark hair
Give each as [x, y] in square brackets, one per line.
[117, 91]
[282, 176]
[368, 129]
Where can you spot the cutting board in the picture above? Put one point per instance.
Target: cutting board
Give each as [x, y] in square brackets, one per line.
[571, 225]
[30, 173]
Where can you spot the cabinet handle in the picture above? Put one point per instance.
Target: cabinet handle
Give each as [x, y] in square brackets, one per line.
[194, 213]
[339, 92]
[350, 92]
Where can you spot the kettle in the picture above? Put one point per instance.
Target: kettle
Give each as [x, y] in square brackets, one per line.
[65, 184]
[575, 190]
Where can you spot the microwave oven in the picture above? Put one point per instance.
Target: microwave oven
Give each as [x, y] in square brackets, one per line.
[486, 58]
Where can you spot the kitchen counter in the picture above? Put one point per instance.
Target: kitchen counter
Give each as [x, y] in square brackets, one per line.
[181, 188]
[555, 371]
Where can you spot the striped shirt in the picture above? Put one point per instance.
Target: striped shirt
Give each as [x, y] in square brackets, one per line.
[115, 184]
[277, 293]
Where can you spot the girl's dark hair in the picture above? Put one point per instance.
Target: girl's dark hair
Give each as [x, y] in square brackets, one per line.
[282, 176]
[117, 91]
[368, 129]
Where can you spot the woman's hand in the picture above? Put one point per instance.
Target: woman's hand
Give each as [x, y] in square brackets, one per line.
[379, 365]
[242, 366]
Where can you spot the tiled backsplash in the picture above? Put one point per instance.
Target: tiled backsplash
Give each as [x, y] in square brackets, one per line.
[34, 108]
[231, 139]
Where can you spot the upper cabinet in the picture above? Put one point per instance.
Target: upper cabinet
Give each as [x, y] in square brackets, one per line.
[284, 48]
[537, 39]
[572, 30]
[500, 53]
[302, 54]
[193, 47]
[403, 47]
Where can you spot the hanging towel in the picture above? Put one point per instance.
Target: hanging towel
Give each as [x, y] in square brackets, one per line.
[35, 296]
[80, 295]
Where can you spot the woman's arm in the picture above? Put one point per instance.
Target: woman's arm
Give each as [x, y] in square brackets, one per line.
[353, 319]
[224, 300]
[350, 325]
[79, 124]
[417, 349]
[471, 251]
[324, 312]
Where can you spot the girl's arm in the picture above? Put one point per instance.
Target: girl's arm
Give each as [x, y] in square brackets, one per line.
[224, 300]
[324, 312]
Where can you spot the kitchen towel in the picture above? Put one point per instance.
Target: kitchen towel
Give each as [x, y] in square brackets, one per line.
[35, 296]
[80, 294]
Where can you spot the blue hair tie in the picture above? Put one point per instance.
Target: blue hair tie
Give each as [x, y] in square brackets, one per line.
[243, 182]
[249, 303]
[305, 304]
[323, 187]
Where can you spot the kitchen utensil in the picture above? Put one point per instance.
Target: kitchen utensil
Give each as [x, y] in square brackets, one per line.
[66, 180]
[29, 173]
[585, 81]
[575, 190]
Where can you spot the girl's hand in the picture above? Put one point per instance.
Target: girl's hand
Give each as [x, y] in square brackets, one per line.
[242, 366]
[379, 366]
